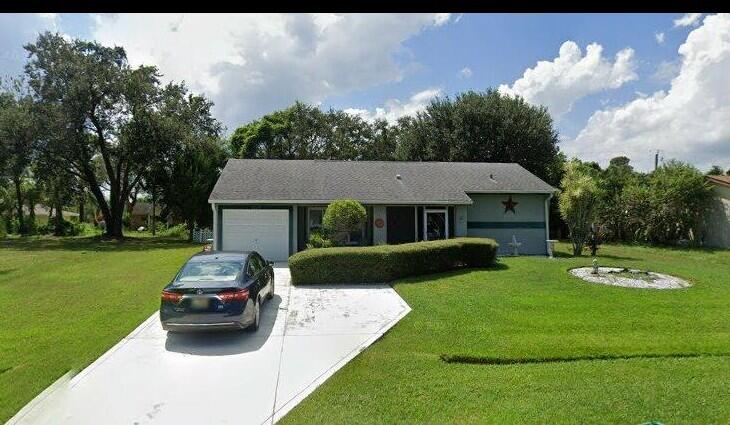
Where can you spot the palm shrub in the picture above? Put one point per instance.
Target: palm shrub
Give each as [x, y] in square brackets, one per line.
[577, 202]
[343, 217]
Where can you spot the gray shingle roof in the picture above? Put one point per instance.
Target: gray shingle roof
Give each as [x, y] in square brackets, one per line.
[260, 180]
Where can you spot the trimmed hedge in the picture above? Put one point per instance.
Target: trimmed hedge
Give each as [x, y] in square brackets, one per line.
[385, 263]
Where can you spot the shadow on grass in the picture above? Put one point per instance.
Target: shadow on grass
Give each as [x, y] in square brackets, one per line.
[480, 360]
[560, 254]
[498, 266]
[92, 243]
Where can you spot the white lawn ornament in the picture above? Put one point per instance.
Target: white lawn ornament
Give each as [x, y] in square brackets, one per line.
[515, 245]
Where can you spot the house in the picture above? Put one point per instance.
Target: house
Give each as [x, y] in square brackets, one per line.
[717, 223]
[272, 206]
[141, 215]
[42, 213]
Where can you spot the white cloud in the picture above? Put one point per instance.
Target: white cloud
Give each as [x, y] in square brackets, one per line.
[666, 71]
[253, 64]
[394, 108]
[441, 19]
[559, 83]
[689, 19]
[659, 36]
[465, 72]
[690, 121]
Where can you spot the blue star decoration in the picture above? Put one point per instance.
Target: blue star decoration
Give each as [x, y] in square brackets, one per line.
[509, 205]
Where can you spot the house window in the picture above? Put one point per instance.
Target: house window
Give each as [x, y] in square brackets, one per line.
[314, 219]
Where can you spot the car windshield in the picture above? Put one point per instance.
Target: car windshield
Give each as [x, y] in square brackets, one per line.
[213, 270]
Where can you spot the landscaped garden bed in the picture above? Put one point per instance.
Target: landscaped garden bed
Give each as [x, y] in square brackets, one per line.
[629, 278]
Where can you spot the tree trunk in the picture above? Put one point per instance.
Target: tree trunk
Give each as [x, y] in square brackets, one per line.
[577, 249]
[114, 229]
[58, 228]
[154, 205]
[19, 199]
[82, 209]
[191, 226]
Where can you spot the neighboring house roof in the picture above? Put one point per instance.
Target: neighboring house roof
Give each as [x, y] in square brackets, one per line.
[377, 182]
[42, 210]
[144, 208]
[720, 180]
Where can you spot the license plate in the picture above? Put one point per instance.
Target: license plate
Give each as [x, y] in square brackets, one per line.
[200, 302]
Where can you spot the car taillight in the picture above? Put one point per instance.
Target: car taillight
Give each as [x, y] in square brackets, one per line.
[172, 297]
[237, 295]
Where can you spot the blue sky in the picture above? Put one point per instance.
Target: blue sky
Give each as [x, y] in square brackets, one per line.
[630, 96]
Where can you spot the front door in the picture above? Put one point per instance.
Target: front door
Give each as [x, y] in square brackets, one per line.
[401, 227]
[436, 227]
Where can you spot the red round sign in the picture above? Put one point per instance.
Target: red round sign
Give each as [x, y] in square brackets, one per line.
[379, 223]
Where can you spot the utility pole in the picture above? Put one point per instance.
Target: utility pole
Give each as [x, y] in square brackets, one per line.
[656, 160]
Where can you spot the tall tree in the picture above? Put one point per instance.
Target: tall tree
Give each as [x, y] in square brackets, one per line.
[679, 196]
[188, 179]
[482, 127]
[715, 170]
[614, 179]
[18, 133]
[100, 108]
[304, 132]
[185, 174]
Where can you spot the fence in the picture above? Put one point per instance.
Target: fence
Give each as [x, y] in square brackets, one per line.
[202, 235]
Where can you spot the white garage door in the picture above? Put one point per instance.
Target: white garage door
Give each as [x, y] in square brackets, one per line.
[264, 231]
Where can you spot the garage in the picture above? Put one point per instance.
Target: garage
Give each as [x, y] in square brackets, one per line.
[263, 230]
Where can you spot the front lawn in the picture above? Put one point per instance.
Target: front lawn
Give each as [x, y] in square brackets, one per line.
[575, 352]
[64, 302]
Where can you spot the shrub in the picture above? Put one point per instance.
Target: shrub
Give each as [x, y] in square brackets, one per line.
[577, 202]
[385, 263]
[317, 239]
[68, 228]
[343, 217]
[177, 231]
[3, 233]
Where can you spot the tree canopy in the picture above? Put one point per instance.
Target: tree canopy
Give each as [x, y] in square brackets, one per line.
[474, 126]
[99, 107]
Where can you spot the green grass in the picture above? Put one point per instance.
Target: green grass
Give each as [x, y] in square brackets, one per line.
[64, 302]
[574, 352]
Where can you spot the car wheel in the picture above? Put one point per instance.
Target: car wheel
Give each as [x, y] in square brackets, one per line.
[257, 317]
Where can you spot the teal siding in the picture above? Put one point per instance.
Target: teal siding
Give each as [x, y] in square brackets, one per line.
[486, 217]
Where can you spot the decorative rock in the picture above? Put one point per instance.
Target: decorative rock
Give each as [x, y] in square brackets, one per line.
[609, 276]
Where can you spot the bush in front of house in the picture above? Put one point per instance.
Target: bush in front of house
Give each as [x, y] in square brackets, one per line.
[342, 217]
[317, 239]
[385, 263]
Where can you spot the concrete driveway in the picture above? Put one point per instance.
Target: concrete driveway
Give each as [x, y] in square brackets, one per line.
[150, 377]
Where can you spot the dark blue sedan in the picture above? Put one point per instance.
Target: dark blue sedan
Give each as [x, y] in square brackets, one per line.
[217, 290]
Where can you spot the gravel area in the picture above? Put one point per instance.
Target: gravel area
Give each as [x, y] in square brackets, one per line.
[617, 276]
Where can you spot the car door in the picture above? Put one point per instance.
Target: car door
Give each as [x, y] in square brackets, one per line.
[264, 276]
[253, 271]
